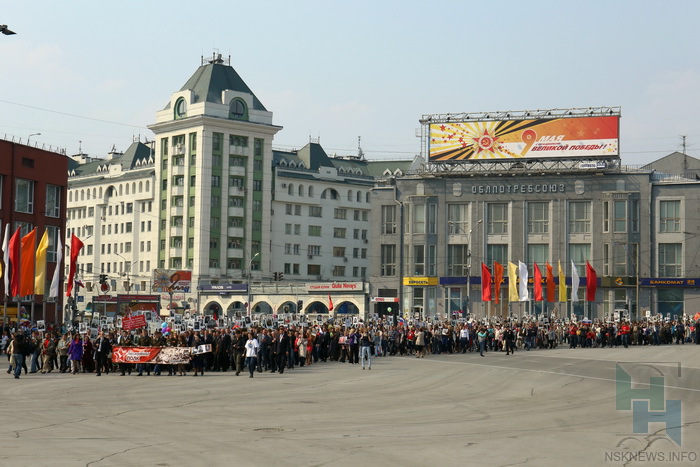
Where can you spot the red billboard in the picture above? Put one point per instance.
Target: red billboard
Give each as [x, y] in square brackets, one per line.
[594, 136]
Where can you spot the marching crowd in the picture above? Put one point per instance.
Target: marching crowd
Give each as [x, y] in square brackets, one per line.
[288, 347]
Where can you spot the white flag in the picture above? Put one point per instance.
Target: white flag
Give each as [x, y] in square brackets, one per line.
[6, 258]
[574, 283]
[522, 272]
[53, 292]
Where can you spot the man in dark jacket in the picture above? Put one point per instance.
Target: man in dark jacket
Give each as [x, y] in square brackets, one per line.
[102, 349]
[282, 349]
[238, 351]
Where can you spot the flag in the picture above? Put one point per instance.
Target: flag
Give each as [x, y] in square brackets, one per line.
[574, 282]
[550, 283]
[75, 246]
[6, 257]
[79, 283]
[40, 264]
[538, 283]
[485, 283]
[13, 255]
[27, 254]
[523, 296]
[498, 278]
[53, 292]
[513, 282]
[562, 285]
[330, 303]
[591, 283]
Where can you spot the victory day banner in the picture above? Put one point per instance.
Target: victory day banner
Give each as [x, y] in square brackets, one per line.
[518, 139]
[162, 355]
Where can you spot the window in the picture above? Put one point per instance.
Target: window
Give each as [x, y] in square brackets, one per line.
[634, 215]
[670, 260]
[339, 251]
[217, 140]
[238, 109]
[287, 248]
[24, 196]
[53, 201]
[128, 227]
[315, 211]
[215, 180]
[340, 213]
[537, 253]
[606, 216]
[314, 250]
[193, 180]
[215, 160]
[497, 253]
[236, 222]
[418, 260]
[258, 145]
[388, 260]
[538, 218]
[579, 253]
[339, 232]
[419, 218]
[236, 161]
[432, 218]
[388, 220]
[619, 216]
[338, 271]
[236, 182]
[236, 243]
[670, 216]
[498, 218]
[235, 202]
[178, 180]
[257, 185]
[457, 260]
[671, 301]
[457, 218]
[579, 217]
[314, 231]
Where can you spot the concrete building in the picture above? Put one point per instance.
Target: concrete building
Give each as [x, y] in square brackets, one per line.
[113, 210]
[638, 228]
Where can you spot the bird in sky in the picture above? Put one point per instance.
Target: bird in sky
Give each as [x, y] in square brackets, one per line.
[5, 30]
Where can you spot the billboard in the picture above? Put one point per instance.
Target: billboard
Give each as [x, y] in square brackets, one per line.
[167, 281]
[566, 137]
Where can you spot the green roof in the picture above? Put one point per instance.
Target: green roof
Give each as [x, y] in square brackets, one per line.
[210, 80]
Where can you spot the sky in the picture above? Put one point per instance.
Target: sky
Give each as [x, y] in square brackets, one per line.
[91, 75]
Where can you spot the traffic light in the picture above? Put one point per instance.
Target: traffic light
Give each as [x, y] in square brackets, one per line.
[274, 274]
[103, 278]
[280, 276]
[300, 305]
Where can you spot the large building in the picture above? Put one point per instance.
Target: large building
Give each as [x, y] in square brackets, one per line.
[113, 211]
[33, 195]
[638, 228]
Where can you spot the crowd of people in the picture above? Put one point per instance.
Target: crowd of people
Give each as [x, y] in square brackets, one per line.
[274, 350]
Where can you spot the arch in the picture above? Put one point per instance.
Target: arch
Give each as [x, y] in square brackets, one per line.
[70, 195]
[148, 185]
[100, 196]
[133, 187]
[301, 190]
[311, 191]
[120, 189]
[290, 189]
[238, 110]
[140, 187]
[236, 309]
[367, 197]
[94, 193]
[349, 195]
[127, 188]
[358, 197]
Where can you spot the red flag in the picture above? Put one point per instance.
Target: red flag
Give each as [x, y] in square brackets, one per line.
[75, 246]
[330, 303]
[591, 283]
[538, 283]
[27, 263]
[498, 273]
[485, 283]
[550, 283]
[14, 262]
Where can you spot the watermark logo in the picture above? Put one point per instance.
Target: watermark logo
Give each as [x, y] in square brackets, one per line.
[648, 404]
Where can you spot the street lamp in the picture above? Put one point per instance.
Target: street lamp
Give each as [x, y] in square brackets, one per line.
[250, 276]
[469, 265]
[30, 137]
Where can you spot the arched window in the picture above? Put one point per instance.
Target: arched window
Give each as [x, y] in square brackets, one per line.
[127, 188]
[349, 195]
[367, 197]
[311, 191]
[238, 110]
[301, 190]
[140, 187]
[358, 198]
[82, 195]
[290, 189]
[148, 185]
[120, 189]
[94, 193]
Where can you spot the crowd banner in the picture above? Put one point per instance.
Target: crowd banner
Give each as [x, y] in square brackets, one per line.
[134, 322]
[200, 349]
[162, 355]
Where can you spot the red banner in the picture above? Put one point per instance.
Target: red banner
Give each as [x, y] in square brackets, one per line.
[134, 322]
[538, 283]
[485, 283]
[134, 354]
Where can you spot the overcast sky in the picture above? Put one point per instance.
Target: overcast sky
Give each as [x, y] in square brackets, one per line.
[97, 72]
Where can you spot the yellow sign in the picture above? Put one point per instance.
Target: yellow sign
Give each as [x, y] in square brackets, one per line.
[420, 280]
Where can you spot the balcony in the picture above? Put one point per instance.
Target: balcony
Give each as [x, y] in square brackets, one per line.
[176, 231]
[239, 150]
[177, 190]
[236, 190]
[236, 212]
[177, 211]
[178, 170]
[236, 170]
[235, 232]
[234, 253]
[178, 150]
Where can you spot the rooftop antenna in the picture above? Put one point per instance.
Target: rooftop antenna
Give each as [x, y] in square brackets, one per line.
[360, 153]
[80, 147]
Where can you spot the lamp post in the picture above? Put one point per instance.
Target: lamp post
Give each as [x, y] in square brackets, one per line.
[30, 137]
[250, 276]
[469, 265]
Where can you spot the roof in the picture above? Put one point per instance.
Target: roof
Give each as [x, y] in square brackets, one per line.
[137, 154]
[210, 80]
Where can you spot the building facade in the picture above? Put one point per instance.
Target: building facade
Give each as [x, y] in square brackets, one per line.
[435, 228]
[33, 186]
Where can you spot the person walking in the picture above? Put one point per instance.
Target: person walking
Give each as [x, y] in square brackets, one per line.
[365, 351]
[15, 351]
[75, 354]
[482, 335]
[102, 349]
[251, 353]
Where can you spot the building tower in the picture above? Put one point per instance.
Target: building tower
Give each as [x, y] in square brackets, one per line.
[214, 154]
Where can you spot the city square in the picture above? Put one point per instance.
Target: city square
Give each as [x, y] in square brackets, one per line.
[540, 407]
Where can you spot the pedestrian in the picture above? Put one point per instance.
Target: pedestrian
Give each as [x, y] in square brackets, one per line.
[482, 335]
[365, 351]
[102, 349]
[15, 351]
[75, 353]
[251, 353]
